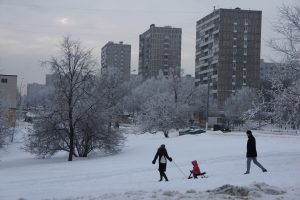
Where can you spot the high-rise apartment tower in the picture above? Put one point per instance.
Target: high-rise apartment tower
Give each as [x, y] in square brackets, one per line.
[117, 55]
[228, 51]
[160, 51]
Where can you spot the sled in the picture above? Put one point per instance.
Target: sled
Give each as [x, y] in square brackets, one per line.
[201, 175]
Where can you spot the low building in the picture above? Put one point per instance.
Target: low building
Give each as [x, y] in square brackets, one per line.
[8, 95]
[270, 69]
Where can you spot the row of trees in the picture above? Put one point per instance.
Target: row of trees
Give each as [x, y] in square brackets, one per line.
[80, 113]
[165, 103]
[286, 86]
[4, 123]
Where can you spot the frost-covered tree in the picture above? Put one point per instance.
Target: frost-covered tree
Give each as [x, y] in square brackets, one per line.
[130, 101]
[57, 129]
[285, 86]
[72, 121]
[241, 105]
[4, 124]
[110, 91]
[161, 113]
[200, 99]
[286, 105]
[166, 103]
[147, 90]
[94, 133]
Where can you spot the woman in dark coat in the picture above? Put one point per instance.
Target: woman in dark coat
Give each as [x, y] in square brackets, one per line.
[162, 156]
[251, 153]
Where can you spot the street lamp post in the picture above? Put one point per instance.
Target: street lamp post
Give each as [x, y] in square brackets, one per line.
[207, 103]
[209, 74]
[133, 103]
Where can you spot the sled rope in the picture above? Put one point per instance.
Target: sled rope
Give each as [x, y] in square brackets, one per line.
[179, 169]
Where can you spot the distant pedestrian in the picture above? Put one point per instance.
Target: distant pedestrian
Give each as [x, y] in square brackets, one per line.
[162, 156]
[117, 125]
[251, 153]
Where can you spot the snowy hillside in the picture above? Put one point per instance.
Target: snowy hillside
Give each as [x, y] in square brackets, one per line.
[131, 175]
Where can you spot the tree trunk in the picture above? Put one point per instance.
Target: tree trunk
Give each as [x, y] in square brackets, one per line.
[71, 127]
[71, 144]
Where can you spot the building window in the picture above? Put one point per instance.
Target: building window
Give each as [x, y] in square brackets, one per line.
[245, 44]
[234, 50]
[234, 43]
[235, 27]
[4, 80]
[234, 66]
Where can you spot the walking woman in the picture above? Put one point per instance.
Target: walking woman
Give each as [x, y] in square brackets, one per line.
[162, 156]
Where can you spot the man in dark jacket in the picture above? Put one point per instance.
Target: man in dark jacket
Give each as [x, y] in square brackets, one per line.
[251, 153]
[162, 156]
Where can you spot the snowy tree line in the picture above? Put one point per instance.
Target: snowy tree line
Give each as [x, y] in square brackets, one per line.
[167, 103]
[80, 113]
[286, 86]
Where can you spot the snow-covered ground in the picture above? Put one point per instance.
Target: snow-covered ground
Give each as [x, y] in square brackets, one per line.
[131, 175]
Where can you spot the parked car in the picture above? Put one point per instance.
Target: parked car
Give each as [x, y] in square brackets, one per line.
[191, 131]
[30, 117]
[224, 129]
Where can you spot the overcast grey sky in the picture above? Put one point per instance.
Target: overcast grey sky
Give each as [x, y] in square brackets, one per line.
[31, 30]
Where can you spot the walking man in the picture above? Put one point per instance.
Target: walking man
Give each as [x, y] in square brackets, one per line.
[251, 153]
[162, 156]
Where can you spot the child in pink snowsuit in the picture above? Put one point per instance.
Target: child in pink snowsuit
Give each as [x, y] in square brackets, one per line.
[196, 170]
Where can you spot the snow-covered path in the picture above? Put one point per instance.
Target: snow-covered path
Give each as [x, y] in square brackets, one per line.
[130, 174]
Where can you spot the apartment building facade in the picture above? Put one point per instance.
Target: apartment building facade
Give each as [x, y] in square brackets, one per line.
[117, 55]
[270, 69]
[228, 51]
[8, 95]
[51, 79]
[160, 51]
[34, 88]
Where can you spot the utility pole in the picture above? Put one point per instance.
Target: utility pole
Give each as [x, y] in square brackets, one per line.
[20, 98]
[207, 102]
